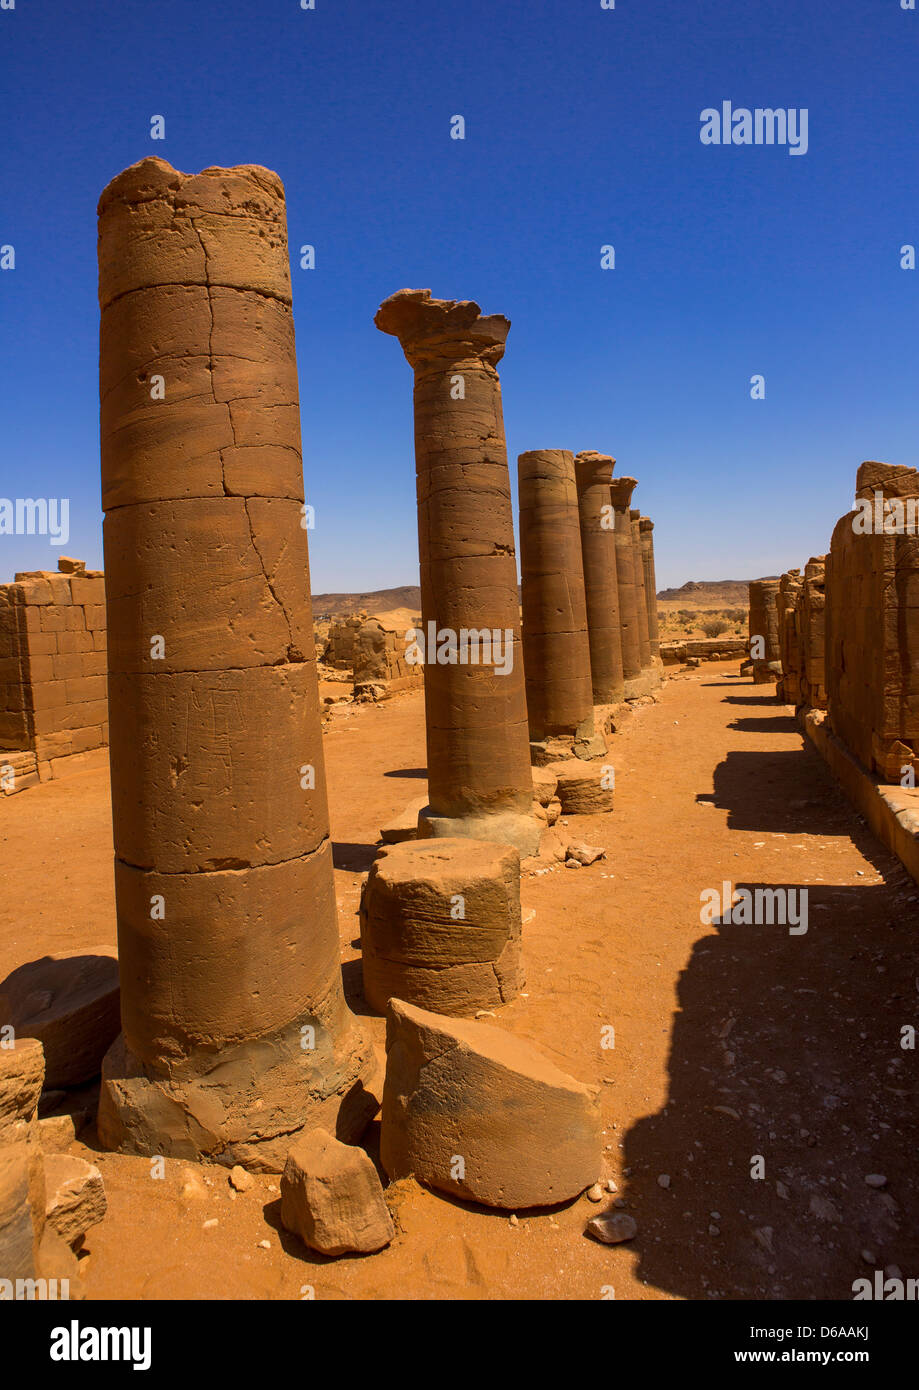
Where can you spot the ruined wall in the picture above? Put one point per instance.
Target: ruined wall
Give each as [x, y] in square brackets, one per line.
[872, 632]
[339, 649]
[53, 698]
[378, 657]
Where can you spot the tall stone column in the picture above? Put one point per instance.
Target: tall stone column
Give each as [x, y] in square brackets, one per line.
[235, 1028]
[765, 649]
[479, 777]
[646, 529]
[556, 648]
[621, 490]
[593, 473]
[644, 640]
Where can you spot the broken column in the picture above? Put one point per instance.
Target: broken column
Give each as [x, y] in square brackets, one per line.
[556, 647]
[593, 473]
[636, 680]
[478, 749]
[235, 1029]
[764, 631]
[646, 531]
[644, 640]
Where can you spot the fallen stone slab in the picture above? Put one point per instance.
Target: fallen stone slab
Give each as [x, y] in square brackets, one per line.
[70, 1002]
[545, 782]
[331, 1197]
[582, 787]
[478, 1113]
[403, 826]
[440, 925]
[75, 1196]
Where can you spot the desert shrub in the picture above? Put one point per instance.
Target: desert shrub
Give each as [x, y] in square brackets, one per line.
[714, 627]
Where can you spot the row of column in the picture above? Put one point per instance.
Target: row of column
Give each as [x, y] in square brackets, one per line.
[235, 1028]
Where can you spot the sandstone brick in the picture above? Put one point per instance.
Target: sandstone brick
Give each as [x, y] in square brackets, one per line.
[88, 592]
[331, 1197]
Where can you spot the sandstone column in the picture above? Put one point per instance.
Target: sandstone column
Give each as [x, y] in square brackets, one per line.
[788, 688]
[764, 625]
[646, 528]
[621, 490]
[556, 648]
[479, 778]
[644, 640]
[593, 473]
[235, 1029]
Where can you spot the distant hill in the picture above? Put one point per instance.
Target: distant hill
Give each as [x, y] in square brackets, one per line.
[713, 593]
[380, 601]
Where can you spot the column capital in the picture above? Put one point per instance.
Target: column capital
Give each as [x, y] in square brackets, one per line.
[645, 523]
[591, 468]
[621, 490]
[445, 330]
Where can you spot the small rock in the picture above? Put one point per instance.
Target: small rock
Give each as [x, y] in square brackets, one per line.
[613, 1228]
[209, 1225]
[663, 1180]
[714, 1230]
[875, 1180]
[75, 1196]
[240, 1179]
[331, 1197]
[573, 864]
[585, 854]
[264, 1245]
[869, 1257]
[595, 1193]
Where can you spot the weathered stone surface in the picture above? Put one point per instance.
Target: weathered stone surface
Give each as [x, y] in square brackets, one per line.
[70, 1002]
[332, 1199]
[440, 925]
[75, 1199]
[236, 1032]
[764, 631]
[556, 647]
[527, 1134]
[22, 1178]
[476, 717]
[872, 624]
[583, 787]
[593, 472]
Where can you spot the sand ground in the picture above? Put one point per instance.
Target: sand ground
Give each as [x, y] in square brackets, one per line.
[731, 1041]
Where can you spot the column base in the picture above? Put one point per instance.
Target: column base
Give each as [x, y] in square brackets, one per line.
[503, 828]
[642, 684]
[247, 1102]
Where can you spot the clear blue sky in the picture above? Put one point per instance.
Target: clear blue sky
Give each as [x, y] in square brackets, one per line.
[582, 128]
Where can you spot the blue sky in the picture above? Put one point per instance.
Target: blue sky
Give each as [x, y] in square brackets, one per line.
[582, 129]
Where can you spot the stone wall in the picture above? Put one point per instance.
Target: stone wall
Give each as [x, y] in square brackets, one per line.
[378, 658]
[53, 699]
[339, 648]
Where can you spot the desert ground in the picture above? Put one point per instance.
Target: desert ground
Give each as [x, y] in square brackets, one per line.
[731, 1042]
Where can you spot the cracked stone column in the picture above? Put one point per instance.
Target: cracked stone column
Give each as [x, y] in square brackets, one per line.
[636, 681]
[641, 597]
[593, 473]
[556, 648]
[646, 529]
[235, 1028]
[479, 777]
